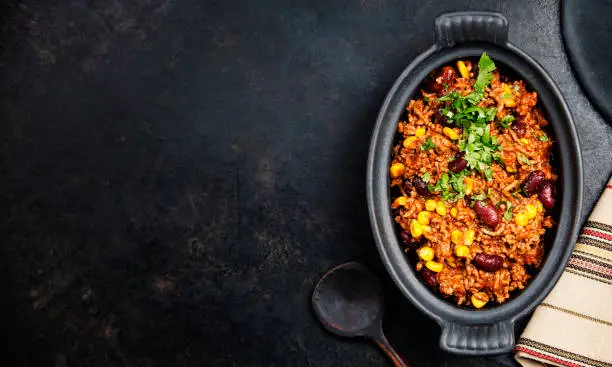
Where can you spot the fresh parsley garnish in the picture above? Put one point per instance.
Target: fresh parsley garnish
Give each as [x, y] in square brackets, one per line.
[479, 197]
[522, 159]
[543, 137]
[508, 212]
[428, 144]
[486, 66]
[451, 187]
[426, 177]
[488, 173]
[506, 121]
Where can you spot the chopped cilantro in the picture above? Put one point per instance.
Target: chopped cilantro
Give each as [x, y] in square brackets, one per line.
[449, 97]
[506, 121]
[497, 157]
[507, 95]
[479, 197]
[426, 99]
[456, 181]
[426, 177]
[485, 72]
[543, 137]
[451, 187]
[516, 87]
[474, 97]
[508, 213]
[522, 159]
[428, 144]
[488, 173]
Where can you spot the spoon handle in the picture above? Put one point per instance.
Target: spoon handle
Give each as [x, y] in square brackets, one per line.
[384, 344]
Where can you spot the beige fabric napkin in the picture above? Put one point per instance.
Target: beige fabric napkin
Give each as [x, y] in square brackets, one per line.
[573, 326]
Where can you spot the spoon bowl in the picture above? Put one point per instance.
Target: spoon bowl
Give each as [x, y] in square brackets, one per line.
[348, 300]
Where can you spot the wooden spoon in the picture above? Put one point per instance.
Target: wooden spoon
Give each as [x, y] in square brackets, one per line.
[349, 302]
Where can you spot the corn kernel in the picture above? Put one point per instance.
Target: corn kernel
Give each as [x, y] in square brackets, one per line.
[450, 133]
[426, 228]
[424, 217]
[420, 131]
[454, 212]
[430, 205]
[468, 237]
[462, 251]
[524, 141]
[469, 185]
[426, 253]
[539, 206]
[463, 69]
[479, 299]
[521, 219]
[434, 266]
[508, 101]
[400, 201]
[451, 262]
[397, 169]
[441, 208]
[416, 230]
[409, 141]
[456, 236]
[531, 211]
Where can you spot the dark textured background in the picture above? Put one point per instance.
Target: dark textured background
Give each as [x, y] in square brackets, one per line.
[177, 174]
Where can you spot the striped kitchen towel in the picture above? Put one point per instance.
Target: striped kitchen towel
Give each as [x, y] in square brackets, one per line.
[573, 326]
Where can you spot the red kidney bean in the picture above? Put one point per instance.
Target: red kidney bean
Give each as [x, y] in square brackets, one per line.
[421, 187]
[532, 184]
[488, 262]
[458, 164]
[548, 194]
[487, 213]
[447, 75]
[429, 277]
[408, 241]
[519, 127]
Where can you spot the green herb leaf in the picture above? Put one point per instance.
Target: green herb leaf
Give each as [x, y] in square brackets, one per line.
[426, 177]
[522, 159]
[449, 97]
[508, 213]
[456, 181]
[543, 137]
[488, 173]
[515, 88]
[506, 121]
[474, 97]
[479, 197]
[428, 144]
[486, 66]
[507, 95]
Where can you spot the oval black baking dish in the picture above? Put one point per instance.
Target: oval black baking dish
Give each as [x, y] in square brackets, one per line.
[490, 330]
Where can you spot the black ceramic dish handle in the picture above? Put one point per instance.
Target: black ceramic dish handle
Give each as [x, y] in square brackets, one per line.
[453, 28]
[477, 339]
